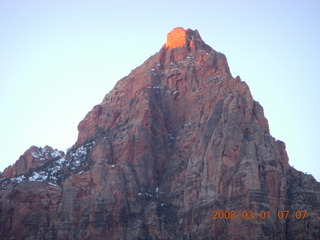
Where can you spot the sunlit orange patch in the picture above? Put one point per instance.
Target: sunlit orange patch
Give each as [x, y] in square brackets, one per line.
[176, 38]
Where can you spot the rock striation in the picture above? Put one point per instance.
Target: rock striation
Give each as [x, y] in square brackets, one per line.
[177, 150]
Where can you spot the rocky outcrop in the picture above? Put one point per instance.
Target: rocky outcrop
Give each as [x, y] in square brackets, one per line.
[32, 158]
[177, 150]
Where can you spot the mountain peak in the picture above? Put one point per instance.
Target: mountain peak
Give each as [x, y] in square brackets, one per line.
[176, 143]
[176, 38]
[179, 37]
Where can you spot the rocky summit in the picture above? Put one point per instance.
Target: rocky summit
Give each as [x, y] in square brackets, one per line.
[177, 150]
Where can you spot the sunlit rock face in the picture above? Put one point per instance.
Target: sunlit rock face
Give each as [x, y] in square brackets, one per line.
[176, 38]
[174, 141]
[180, 37]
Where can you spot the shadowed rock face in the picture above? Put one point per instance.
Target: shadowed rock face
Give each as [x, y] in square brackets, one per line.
[176, 139]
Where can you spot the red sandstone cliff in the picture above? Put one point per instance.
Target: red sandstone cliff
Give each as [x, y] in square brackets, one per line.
[175, 140]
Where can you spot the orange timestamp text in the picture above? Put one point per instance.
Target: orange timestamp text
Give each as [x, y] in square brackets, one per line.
[257, 215]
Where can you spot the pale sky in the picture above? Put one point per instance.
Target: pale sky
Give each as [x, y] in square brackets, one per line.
[59, 58]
